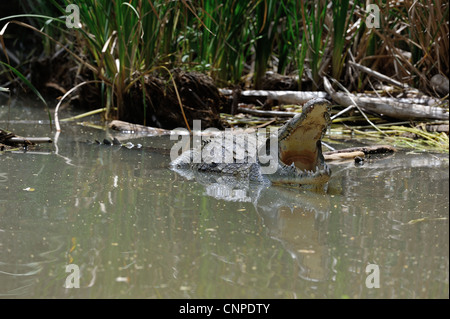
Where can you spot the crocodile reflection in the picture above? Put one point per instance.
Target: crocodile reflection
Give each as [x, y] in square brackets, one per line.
[291, 216]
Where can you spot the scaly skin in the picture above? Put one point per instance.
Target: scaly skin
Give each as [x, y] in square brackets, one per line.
[299, 159]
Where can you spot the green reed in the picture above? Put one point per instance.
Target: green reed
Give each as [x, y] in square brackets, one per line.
[121, 42]
[341, 15]
[314, 15]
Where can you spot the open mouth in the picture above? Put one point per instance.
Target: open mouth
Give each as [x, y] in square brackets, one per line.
[300, 148]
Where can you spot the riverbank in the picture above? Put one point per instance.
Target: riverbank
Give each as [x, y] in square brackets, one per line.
[164, 64]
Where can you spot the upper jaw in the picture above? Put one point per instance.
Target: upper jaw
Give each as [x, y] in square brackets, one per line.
[300, 158]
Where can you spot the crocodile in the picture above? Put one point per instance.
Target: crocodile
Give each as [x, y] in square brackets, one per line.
[298, 157]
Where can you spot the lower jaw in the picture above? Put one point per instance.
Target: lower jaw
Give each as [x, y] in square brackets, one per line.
[299, 180]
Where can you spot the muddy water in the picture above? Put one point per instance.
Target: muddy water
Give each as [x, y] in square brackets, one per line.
[132, 228]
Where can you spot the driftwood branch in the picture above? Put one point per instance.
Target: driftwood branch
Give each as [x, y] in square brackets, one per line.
[12, 139]
[437, 128]
[343, 156]
[420, 100]
[28, 140]
[266, 113]
[130, 127]
[378, 75]
[353, 152]
[283, 97]
[388, 107]
[375, 149]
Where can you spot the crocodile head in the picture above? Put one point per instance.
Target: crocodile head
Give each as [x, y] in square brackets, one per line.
[300, 158]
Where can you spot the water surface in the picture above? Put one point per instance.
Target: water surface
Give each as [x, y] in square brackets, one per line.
[136, 229]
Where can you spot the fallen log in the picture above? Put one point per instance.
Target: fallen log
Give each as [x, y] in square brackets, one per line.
[375, 149]
[130, 127]
[28, 140]
[357, 152]
[390, 108]
[266, 113]
[343, 156]
[283, 97]
[12, 139]
[439, 128]
[422, 100]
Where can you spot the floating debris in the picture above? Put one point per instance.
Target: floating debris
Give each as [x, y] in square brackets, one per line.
[123, 279]
[424, 219]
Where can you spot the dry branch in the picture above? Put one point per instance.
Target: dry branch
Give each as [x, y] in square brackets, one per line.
[343, 156]
[353, 152]
[28, 140]
[130, 127]
[375, 149]
[283, 97]
[266, 113]
[378, 75]
[12, 139]
[388, 107]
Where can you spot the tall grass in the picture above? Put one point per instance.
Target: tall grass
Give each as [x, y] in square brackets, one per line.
[267, 16]
[341, 18]
[429, 39]
[219, 37]
[123, 41]
[412, 43]
[314, 16]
